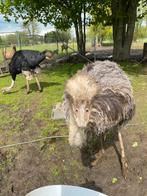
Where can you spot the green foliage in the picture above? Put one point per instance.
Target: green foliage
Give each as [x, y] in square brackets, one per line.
[31, 27]
[140, 32]
[61, 14]
[79, 13]
[10, 39]
[64, 36]
[101, 12]
[56, 171]
[50, 37]
[1, 41]
[21, 38]
[100, 32]
[57, 36]
[142, 9]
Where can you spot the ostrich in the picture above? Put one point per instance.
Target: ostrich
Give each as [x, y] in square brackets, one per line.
[64, 46]
[26, 62]
[98, 99]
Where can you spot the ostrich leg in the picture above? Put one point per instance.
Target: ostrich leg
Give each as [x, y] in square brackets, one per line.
[28, 76]
[102, 143]
[123, 157]
[28, 86]
[99, 154]
[38, 83]
[8, 89]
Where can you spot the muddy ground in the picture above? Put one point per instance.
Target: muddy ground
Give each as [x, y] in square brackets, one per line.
[55, 162]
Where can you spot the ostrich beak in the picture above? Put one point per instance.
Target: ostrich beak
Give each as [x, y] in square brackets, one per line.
[48, 58]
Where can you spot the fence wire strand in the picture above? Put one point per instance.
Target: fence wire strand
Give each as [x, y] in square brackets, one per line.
[33, 141]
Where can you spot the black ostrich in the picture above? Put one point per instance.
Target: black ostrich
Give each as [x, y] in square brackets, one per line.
[26, 62]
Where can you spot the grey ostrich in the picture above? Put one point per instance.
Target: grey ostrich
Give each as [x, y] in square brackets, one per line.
[98, 99]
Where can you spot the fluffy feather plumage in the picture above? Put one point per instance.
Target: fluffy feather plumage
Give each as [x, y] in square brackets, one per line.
[100, 96]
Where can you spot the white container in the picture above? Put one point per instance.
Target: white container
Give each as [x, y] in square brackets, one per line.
[64, 190]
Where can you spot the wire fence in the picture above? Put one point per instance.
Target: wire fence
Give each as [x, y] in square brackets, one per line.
[98, 51]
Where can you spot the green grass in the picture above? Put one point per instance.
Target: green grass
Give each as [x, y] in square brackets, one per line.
[13, 106]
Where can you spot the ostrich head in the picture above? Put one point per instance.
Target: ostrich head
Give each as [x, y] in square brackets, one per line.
[79, 91]
[48, 54]
[81, 111]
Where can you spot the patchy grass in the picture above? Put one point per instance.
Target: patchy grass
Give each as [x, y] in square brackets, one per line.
[17, 103]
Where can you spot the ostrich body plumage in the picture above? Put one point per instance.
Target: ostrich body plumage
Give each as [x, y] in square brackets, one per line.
[25, 60]
[98, 98]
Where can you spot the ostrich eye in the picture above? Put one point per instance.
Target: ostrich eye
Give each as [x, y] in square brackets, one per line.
[87, 110]
[76, 110]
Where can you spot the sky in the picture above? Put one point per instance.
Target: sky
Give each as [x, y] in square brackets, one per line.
[12, 26]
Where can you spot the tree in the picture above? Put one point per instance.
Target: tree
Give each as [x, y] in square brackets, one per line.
[10, 39]
[140, 32]
[100, 32]
[1, 41]
[141, 24]
[62, 14]
[50, 37]
[63, 36]
[31, 27]
[124, 15]
[121, 14]
[57, 36]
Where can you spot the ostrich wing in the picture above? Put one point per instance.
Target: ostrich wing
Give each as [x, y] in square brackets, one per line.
[33, 58]
[111, 110]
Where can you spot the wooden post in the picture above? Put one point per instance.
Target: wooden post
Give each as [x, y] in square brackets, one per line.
[123, 157]
[145, 51]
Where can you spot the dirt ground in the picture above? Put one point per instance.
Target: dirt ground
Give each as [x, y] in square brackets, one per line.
[54, 162]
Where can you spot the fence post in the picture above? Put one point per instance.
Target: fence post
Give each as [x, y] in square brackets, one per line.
[19, 40]
[145, 50]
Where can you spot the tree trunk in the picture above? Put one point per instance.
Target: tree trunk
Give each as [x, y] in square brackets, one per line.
[84, 29]
[124, 17]
[80, 35]
[77, 34]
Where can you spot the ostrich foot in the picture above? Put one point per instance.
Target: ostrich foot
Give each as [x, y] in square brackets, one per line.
[98, 156]
[40, 90]
[6, 90]
[102, 151]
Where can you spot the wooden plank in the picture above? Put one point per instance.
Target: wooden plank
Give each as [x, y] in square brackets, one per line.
[4, 67]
